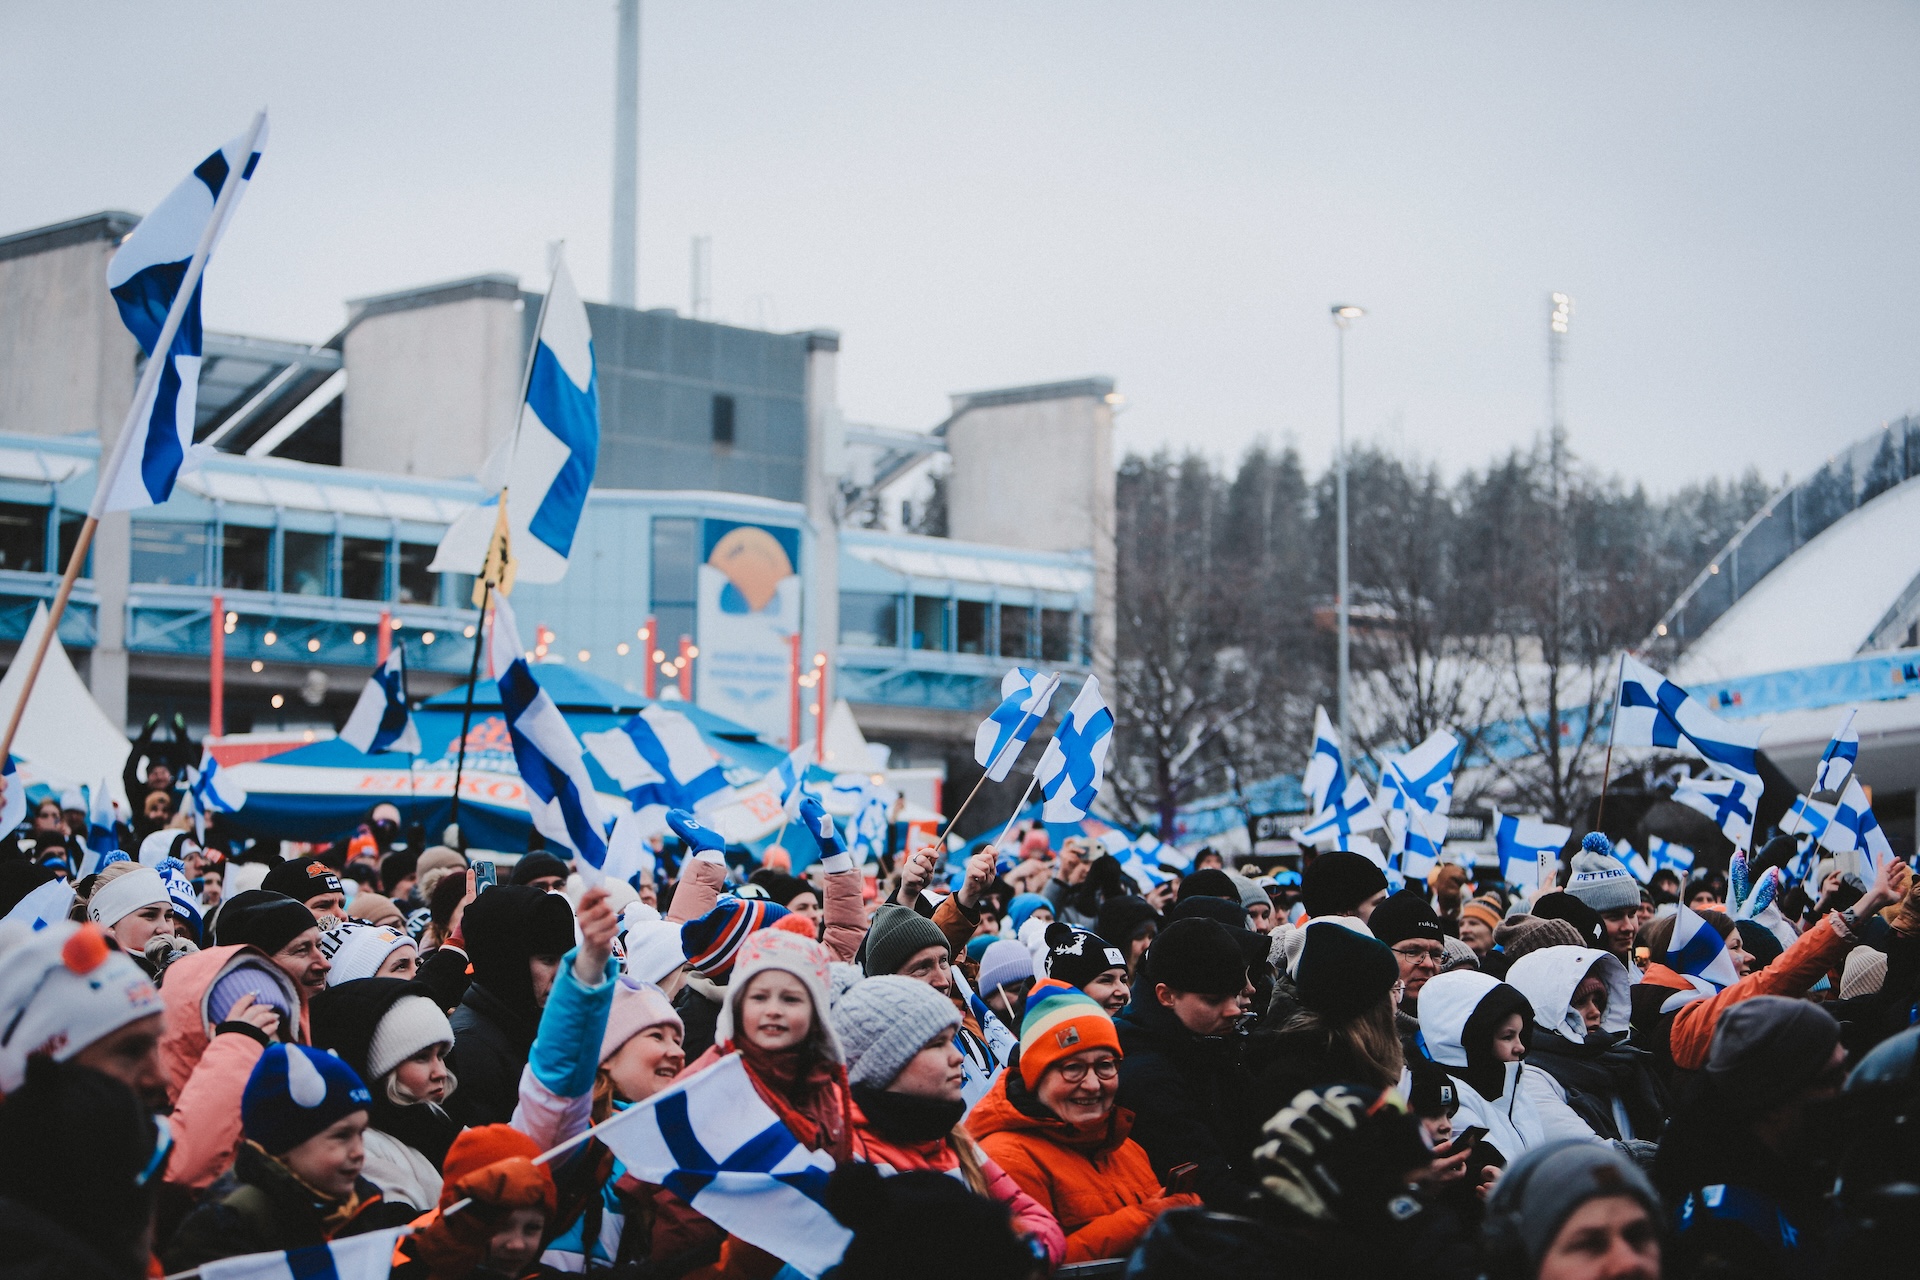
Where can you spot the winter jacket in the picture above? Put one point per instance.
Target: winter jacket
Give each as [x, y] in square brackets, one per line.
[1607, 1085]
[269, 1209]
[1687, 1032]
[1191, 1098]
[844, 914]
[1459, 1013]
[1030, 1217]
[35, 1247]
[1099, 1186]
[207, 1066]
[490, 1046]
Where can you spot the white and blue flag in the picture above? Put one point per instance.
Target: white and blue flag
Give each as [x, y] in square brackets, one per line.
[208, 792]
[659, 757]
[1653, 711]
[45, 905]
[1521, 841]
[380, 720]
[362, 1257]
[630, 857]
[1730, 802]
[1669, 856]
[145, 276]
[1698, 954]
[710, 1140]
[13, 810]
[1326, 774]
[1416, 793]
[1641, 864]
[103, 830]
[1842, 754]
[1807, 817]
[789, 778]
[1024, 696]
[1854, 830]
[560, 796]
[1075, 762]
[1334, 826]
[547, 465]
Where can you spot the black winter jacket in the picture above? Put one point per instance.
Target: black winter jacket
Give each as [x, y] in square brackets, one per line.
[35, 1247]
[490, 1046]
[1191, 1098]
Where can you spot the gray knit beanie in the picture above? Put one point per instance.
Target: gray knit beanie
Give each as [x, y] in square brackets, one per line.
[884, 1021]
[1600, 879]
[840, 977]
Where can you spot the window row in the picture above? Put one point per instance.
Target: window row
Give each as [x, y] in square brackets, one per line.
[941, 625]
[245, 558]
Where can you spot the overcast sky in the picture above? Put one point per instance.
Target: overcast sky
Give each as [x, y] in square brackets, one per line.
[987, 194]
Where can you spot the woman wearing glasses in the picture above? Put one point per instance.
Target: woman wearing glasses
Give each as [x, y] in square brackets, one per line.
[1051, 1123]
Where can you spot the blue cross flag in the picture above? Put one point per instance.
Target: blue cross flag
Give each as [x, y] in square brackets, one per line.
[209, 792]
[362, 1257]
[560, 796]
[659, 757]
[380, 720]
[1075, 762]
[1333, 826]
[1855, 831]
[1024, 696]
[1416, 791]
[1521, 841]
[1729, 802]
[1653, 711]
[710, 1140]
[1326, 775]
[1840, 757]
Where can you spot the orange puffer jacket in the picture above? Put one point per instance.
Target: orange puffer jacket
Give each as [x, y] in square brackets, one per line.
[1100, 1187]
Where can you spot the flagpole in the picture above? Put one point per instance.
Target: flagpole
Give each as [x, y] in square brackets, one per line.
[142, 401]
[987, 772]
[473, 677]
[1027, 795]
[1613, 722]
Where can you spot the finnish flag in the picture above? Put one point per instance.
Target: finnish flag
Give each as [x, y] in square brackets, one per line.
[1698, 954]
[144, 276]
[380, 720]
[46, 905]
[630, 856]
[1840, 757]
[362, 1257]
[1417, 794]
[1807, 817]
[547, 465]
[560, 795]
[1075, 761]
[208, 792]
[1730, 802]
[1326, 774]
[658, 757]
[13, 810]
[1653, 711]
[710, 1140]
[1335, 825]
[1024, 696]
[788, 778]
[103, 833]
[1666, 854]
[1521, 841]
[1854, 829]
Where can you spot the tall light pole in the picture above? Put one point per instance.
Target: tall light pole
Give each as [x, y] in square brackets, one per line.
[623, 258]
[1344, 314]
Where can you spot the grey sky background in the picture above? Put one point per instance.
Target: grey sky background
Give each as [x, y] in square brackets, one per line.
[986, 194]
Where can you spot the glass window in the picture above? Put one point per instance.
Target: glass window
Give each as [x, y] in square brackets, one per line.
[303, 563]
[173, 555]
[363, 568]
[970, 626]
[1016, 620]
[70, 523]
[869, 618]
[929, 622]
[676, 564]
[23, 538]
[675, 620]
[1056, 635]
[243, 557]
[457, 590]
[723, 419]
[417, 586]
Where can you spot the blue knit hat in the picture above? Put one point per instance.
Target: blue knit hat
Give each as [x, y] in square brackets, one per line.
[1022, 906]
[711, 942]
[296, 1092]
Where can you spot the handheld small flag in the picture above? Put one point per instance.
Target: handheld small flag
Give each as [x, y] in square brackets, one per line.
[1669, 856]
[1326, 774]
[1074, 764]
[560, 796]
[1854, 830]
[103, 835]
[209, 793]
[1698, 954]
[1838, 761]
[1334, 825]
[1416, 790]
[1520, 842]
[1652, 711]
[659, 757]
[1807, 817]
[1730, 802]
[380, 719]
[361, 1257]
[1024, 696]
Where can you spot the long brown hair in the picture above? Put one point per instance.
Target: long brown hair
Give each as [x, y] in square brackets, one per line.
[1369, 1042]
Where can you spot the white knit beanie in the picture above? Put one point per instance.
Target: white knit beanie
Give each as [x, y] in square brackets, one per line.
[411, 1023]
[1865, 973]
[61, 990]
[791, 954]
[358, 949]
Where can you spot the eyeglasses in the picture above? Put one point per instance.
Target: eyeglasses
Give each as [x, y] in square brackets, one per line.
[1076, 1072]
[1422, 955]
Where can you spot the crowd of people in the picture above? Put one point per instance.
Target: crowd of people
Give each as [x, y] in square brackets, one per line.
[1026, 1062]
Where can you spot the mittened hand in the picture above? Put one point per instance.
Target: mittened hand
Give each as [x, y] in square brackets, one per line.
[820, 823]
[699, 838]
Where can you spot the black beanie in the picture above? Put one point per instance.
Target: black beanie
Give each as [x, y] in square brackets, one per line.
[781, 887]
[77, 1140]
[1564, 906]
[1205, 906]
[397, 866]
[1208, 882]
[1201, 956]
[923, 1224]
[1343, 973]
[1760, 943]
[1337, 883]
[533, 866]
[1433, 1092]
[1405, 915]
[261, 919]
[505, 927]
[302, 879]
[1077, 957]
[1121, 919]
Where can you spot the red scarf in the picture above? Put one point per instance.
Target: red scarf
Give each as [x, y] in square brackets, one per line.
[808, 1093]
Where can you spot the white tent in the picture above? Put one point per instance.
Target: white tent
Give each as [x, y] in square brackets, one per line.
[65, 739]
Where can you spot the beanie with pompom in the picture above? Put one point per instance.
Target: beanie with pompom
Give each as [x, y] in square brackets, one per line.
[1600, 879]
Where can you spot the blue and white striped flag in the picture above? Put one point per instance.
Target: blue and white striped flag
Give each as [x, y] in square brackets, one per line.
[1653, 711]
[380, 720]
[1024, 696]
[658, 757]
[789, 779]
[1698, 954]
[1842, 754]
[209, 793]
[560, 795]
[710, 1140]
[1333, 826]
[145, 276]
[1416, 791]
[362, 1257]
[1075, 762]
[1730, 802]
[45, 905]
[1521, 841]
[13, 810]
[1326, 774]
[103, 831]
[1854, 830]
[547, 465]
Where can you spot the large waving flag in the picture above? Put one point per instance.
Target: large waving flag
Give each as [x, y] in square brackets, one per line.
[1024, 696]
[380, 720]
[1416, 791]
[1653, 711]
[560, 795]
[362, 1257]
[1698, 954]
[710, 1140]
[145, 277]
[1840, 757]
[1521, 841]
[1333, 827]
[209, 793]
[1730, 802]
[547, 465]
[1854, 829]
[658, 757]
[1326, 774]
[1075, 762]
[1807, 817]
